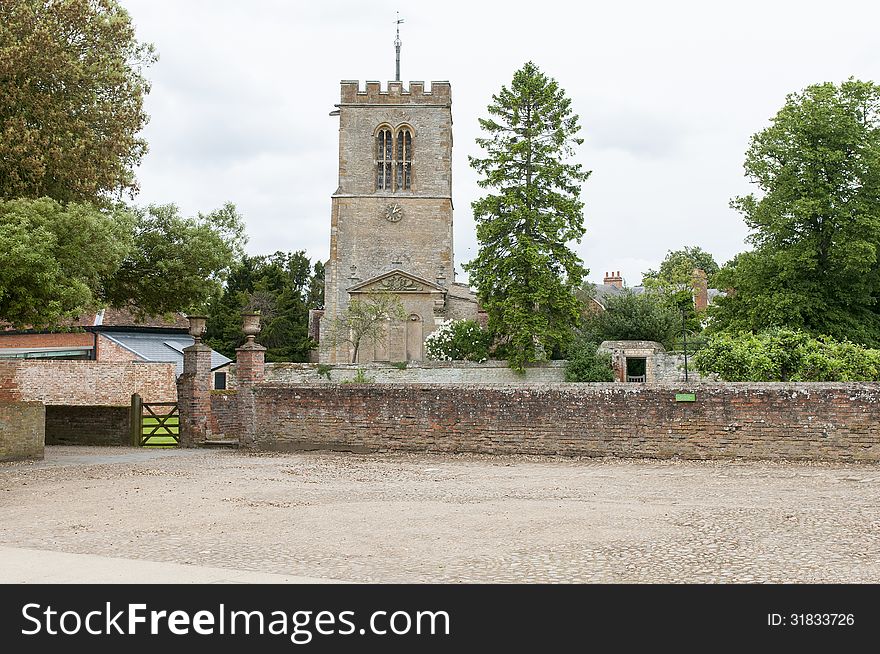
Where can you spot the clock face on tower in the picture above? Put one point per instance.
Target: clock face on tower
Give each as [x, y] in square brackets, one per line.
[393, 213]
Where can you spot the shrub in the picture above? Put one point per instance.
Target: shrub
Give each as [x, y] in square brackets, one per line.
[458, 340]
[631, 317]
[786, 355]
[586, 364]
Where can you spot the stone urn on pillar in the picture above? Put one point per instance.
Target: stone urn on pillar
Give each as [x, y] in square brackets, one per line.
[250, 367]
[250, 326]
[197, 326]
[250, 358]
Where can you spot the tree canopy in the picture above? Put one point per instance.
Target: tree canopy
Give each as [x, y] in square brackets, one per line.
[71, 100]
[57, 261]
[177, 263]
[677, 269]
[54, 260]
[282, 287]
[634, 317]
[816, 226]
[525, 272]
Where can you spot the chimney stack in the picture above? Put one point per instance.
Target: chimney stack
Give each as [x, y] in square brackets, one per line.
[701, 289]
[614, 279]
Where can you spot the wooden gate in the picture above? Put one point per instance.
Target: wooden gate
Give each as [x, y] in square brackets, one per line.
[154, 424]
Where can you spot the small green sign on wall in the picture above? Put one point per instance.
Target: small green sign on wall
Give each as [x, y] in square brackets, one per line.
[685, 397]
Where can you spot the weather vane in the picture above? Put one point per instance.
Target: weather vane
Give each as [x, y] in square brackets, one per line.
[397, 45]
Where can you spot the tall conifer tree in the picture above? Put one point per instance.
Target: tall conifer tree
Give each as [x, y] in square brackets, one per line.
[525, 272]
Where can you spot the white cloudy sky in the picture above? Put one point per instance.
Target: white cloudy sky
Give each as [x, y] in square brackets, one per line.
[668, 94]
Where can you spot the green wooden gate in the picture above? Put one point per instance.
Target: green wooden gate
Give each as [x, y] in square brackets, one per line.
[154, 424]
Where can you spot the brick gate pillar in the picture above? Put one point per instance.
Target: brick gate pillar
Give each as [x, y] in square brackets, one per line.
[194, 388]
[250, 369]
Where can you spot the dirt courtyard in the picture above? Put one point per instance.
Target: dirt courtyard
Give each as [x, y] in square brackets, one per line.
[451, 518]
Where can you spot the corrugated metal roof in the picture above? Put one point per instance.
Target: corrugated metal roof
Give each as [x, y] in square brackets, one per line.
[161, 347]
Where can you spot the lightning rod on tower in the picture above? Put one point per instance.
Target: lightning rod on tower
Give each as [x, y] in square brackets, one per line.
[397, 45]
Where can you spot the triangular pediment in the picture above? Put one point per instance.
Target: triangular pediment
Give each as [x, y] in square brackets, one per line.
[397, 281]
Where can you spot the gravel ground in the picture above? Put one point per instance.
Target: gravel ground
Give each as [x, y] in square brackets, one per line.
[451, 518]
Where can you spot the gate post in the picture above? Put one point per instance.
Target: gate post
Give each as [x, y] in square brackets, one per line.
[250, 368]
[137, 409]
[194, 388]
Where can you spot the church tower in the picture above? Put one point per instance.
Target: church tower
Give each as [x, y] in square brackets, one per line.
[391, 216]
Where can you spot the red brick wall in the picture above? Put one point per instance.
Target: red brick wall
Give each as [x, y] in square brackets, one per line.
[88, 425]
[756, 421]
[71, 339]
[224, 406]
[22, 430]
[86, 383]
[110, 351]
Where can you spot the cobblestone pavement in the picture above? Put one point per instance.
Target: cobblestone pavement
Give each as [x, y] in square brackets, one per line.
[459, 518]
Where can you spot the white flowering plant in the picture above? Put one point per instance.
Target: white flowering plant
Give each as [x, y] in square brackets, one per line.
[458, 340]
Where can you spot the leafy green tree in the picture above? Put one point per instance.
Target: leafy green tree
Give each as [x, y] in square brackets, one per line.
[282, 287]
[71, 100]
[633, 317]
[816, 226]
[365, 321]
[786, 355]
[677, 269]
[525, 272]
[176, 262]
[57, 261]
[586, 364]
[54, 259]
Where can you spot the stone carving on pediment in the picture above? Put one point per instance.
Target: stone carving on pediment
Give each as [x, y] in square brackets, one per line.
[399, 283]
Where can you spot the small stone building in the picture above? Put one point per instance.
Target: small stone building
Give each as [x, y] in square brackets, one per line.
[646, 362]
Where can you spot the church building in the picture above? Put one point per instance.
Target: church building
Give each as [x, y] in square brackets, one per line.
[391, 217]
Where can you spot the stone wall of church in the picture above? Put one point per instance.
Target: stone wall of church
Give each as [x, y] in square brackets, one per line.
[368, 245]
[364, 243]
[431, 125]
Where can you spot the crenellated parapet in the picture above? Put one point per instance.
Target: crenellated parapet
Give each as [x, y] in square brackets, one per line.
[397, 93]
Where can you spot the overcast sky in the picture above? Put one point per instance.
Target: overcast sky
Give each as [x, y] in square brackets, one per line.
[668, 94]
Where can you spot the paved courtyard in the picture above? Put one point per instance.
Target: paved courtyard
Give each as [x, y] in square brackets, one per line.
[430, 518]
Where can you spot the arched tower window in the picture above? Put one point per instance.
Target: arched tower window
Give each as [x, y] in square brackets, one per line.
[394, 155]
[384, 158]
[404, 159]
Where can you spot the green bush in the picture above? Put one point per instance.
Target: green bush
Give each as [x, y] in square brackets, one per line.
[631, 317]
[458, 340]
[586, 364]
[786, 355]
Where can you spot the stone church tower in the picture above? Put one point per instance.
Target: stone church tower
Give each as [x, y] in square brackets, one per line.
[391, 216]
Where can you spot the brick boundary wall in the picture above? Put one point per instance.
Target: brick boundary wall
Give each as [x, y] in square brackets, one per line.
[834, 422]
[22, 430]
[224, 406]
[88, 425]
[86, 383]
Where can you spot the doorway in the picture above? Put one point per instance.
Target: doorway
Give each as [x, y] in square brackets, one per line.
[636, 369]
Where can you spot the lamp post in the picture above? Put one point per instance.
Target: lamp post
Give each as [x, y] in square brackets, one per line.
[684, 336]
